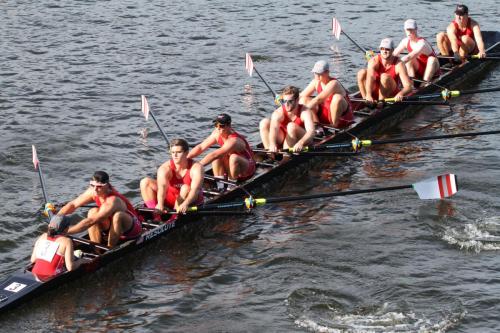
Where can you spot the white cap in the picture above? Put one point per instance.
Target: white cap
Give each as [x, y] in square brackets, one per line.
[386, 43]
[410, 24]
[320, 67]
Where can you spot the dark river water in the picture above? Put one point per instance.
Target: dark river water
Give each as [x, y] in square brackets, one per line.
[71, 76]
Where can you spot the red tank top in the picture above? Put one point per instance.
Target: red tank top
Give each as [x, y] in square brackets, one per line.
[130, 208]
[43, 269]
[345, 118]
[178, 182]
[421, 57]
[286, 119]
[246, 153]
[466, 32]
[391, 71]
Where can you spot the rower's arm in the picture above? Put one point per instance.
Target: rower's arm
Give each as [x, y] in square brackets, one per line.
[197, 175]
[200, 148]
[400, 48]
[68, 255]
[33, 254]
[105, 211]
[309, 90]
[405, 79]
[478, 38]
[309, 126]
[370, 73]
[414, 52]
[83, 199]
[225, 149]
[450, 32]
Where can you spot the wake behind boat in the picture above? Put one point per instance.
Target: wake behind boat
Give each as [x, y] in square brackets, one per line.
[22, 286]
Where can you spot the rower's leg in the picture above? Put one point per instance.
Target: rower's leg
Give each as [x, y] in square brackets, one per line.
[149, 189]
[362, 82]
[120, 223]
[183, 193]
[238, 165]
[431, 69]
[219, 167]
[264, 126]
[294, 134]
[411, 67]
[467, 47]
[337, 107]
[443, 43]
[95, 231]
[387, 86]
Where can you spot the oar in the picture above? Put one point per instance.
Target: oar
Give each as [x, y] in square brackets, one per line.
[249, 66]
[471, 57]
[49, 206]
[404, 101]
[437, 187]
[307, 151]
[214, 212]
[356, 143]
[337, 30]
[147, 111]
[445, 94]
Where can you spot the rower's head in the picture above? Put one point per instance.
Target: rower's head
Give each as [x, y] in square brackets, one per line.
[410, 27]
[100, 182]
[179, 149]
[461, 12]
[386, 47]
[290, 97]
[58, 224]
[222, 122]
[320, 69]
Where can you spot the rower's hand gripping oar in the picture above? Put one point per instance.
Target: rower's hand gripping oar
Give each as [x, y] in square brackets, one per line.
[438, 187]
[250, 68]
[337, 30]
[147, 111]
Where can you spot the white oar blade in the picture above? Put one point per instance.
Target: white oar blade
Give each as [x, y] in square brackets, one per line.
[35, 157]
[249, 64]
[439, 187]
[145, 106]
[336, 29]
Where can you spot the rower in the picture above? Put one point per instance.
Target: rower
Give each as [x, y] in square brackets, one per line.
[421, 61]
[331, 106]
[462, 37]
[234, 158]
[383, 76]
[53, 252]
[178, 182]
[291, 125]
[113, 215]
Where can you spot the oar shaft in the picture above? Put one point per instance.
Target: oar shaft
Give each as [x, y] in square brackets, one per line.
[435, 137]
[42, 182]
[159, 127]
[335, 194]
[354, 42]
[477, 91]
[268, 87]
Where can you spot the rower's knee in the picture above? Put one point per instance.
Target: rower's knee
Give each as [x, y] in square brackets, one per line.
[362, 74]
[145, 183]
[184, 190]
[440, 37]
[264, 124]
[92, 212]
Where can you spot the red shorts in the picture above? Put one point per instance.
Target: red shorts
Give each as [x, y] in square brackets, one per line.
[249, 172]
[134, 231]
[173, 193]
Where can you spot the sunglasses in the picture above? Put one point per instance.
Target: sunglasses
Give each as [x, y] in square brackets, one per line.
[287, 101]
[217, 125]
[385, 49]
[96, 186]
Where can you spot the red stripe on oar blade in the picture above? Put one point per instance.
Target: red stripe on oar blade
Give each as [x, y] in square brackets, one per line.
[35, 157]
[447, 185]
[336, 29]
[145, 106]
[249, 64]
[441, 187]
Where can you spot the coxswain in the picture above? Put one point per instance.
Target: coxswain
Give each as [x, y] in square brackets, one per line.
[114, 214]
[331, 105]
[384, 75]
[291, 125]
[178, 181]
[234, 158]
[53, 252]
[421, 61]
[462, 37]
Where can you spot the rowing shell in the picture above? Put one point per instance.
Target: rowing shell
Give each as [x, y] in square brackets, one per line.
[22, 286]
